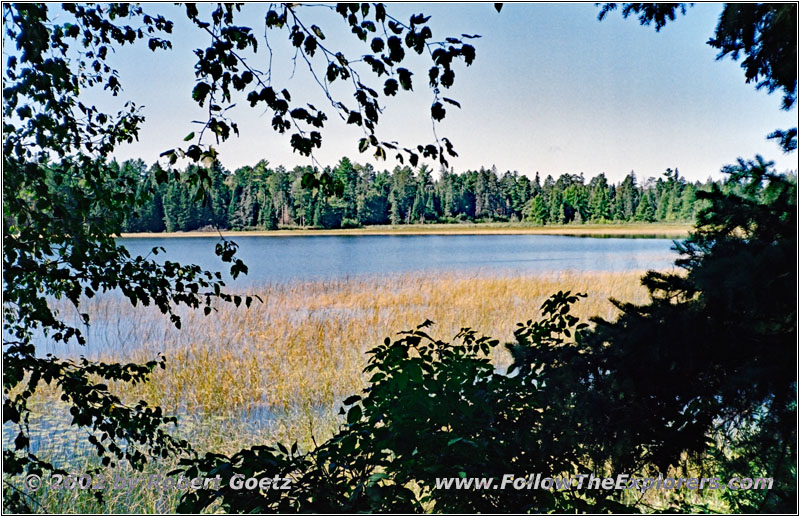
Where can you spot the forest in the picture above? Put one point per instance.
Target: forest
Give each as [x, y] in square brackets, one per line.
[264, 197]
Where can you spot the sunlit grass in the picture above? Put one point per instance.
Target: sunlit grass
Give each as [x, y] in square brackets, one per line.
[279, 370]
[305, 345]
[590, 229]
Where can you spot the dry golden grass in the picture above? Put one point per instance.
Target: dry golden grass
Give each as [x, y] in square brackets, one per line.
[278, 370]
[285, 364]
[596, 230]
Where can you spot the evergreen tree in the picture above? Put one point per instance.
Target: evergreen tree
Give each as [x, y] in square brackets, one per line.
[522, 194]
[646, 210]
[317, 221]
[394, 215]
[536, 186]
[418, 208]
[600, 199]
[268, 218]
[688, 202]
[345, 173]
[302, 198]
[538, 210]
[150, 217]
[626, 199]
[265, 198]
[430, 208]
[556, 214]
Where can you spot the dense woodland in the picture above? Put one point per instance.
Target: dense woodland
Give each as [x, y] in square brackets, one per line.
[267, 198]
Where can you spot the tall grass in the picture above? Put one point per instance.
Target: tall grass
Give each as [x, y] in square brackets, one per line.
[662, 229]
[304, 345]
[279, 370]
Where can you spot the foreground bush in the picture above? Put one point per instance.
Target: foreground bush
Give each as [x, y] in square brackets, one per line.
[433, 409]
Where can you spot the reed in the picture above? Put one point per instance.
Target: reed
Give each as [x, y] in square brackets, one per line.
[510, 228]
[279, 370]
[304, 345]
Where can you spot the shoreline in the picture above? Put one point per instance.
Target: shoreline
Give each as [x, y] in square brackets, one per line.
[664, 230]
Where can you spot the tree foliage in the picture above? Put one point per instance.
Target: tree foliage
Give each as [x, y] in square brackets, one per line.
[224, 73]
[707, 364]
[714, 378]
[433, 409]
[702, 376]
[64, 202]
[266, 197]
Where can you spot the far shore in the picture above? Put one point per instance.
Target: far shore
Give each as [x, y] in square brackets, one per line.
[666, 230]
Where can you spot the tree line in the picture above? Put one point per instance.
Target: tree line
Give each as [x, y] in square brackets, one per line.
[263, 197]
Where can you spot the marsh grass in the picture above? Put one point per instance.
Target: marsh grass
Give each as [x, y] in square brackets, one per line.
[279, 370]
[304, 345]
[610, 229]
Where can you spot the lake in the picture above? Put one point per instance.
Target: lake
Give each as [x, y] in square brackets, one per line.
[281, 260]
[324, 257]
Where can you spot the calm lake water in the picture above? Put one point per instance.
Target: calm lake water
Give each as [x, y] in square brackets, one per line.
[284, 259]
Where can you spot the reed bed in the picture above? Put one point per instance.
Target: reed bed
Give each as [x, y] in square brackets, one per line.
[279, 370]
[304, 345]
[509, 228]
[303, 348]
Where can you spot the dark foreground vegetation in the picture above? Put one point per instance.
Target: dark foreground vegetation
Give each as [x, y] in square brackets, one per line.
[263, 197]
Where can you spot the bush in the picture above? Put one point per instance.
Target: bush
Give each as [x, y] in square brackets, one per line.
[350, 223]
[433, 409]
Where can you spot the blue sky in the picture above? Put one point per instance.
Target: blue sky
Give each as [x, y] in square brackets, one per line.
[552, 90]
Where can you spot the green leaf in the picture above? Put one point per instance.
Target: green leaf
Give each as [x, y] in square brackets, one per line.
[404, 75]
[378, 476]
[352, 399]
[200, 92]
[438, 111]
[354, 415]
[390, 87]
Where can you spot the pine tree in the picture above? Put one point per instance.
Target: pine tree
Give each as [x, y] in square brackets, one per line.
[418, 209]
[430, 208]
[394, 213]
[556, 215]
[346, 173]
[629, 199]
[646, 211]
[481, 195]
[688, 203]
[562, 215]
[600, 201]
[537, 210]
[268, 216]
[317, 222]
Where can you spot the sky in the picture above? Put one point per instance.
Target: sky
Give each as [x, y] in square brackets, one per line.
[552, 90]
